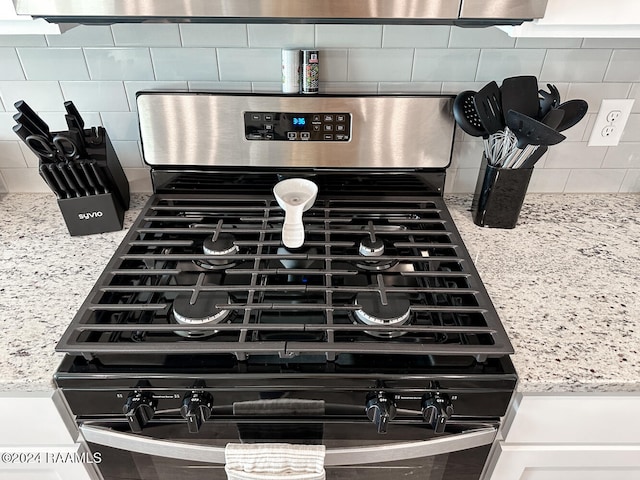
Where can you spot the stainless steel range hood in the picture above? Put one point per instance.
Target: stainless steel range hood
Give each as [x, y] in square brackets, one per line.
[457, 12]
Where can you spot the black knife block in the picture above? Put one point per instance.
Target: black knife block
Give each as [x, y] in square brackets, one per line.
[102, 212]
[499, 195]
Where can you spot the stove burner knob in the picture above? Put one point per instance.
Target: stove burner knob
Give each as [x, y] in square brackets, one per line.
[436, 410]
[139, 410]
[380, 409]
[196, 409]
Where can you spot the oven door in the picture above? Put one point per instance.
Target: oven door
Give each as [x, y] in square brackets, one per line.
[166, 451]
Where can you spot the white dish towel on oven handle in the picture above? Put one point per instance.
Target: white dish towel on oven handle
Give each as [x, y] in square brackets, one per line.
[274, 461]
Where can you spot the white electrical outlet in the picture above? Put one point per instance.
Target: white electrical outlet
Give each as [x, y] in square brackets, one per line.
[610, 122]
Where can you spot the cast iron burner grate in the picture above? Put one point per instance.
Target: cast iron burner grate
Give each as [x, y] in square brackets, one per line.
[289, 303]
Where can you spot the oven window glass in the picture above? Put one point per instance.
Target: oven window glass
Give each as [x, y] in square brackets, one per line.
[464, 464]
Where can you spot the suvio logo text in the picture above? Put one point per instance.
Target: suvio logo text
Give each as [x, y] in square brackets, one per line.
[90, 215]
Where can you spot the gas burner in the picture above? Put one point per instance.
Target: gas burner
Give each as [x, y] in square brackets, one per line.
[294, 263]
[203, 311]
[372, 311]
[371, 249]
[218, 246]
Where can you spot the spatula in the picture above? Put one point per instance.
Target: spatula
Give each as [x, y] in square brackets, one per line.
[488, 107]
[520, 94]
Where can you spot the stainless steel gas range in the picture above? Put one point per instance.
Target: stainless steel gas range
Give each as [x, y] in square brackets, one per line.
[375, 338]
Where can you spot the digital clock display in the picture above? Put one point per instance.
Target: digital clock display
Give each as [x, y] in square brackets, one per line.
[299, 122]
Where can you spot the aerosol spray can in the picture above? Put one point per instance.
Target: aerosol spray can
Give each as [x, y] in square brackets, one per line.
[290, 71]
[310, 71]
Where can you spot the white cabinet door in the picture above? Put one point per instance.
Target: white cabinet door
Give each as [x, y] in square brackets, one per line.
[567, 462]
[38, 439]
[44, 463]
[569, 437]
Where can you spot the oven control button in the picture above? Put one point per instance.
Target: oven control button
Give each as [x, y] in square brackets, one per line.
[436, 410]
[380, 409]
[196, 409]
[139, 410]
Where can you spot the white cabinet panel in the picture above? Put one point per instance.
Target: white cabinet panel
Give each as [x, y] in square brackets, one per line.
[38, 440]
[562, 462]
[569, 437]
[575, 418]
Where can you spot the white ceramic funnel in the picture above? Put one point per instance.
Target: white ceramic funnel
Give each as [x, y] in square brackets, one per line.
[295, 196]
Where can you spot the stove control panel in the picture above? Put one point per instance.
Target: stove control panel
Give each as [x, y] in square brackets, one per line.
[297, 127]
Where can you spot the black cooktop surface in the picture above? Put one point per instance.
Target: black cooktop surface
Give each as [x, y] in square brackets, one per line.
[208, 274]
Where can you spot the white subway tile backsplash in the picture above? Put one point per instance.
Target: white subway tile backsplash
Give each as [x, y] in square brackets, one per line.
[333, 65]
[439, 64]
[491, 37]
[26, 180]
[55, 120]
[625, 155]
[101, 68]
[467, 155]
[29, 157]
[546, 180]
[575, 65]
[23, 41]
[6, 123]
[574, 155]
[635, 93]
[453, 88]
[132, 87]
[241, 64]
[146, 35]
[185, 63]
[415, 36]
[410, 87]
[96, 96]
[121, 125]
[11, 67]
[83, 36]
[11, 155]
[594, 93]
[40, 95]
[119, 63]
[128, 153]
[535, 42]
[53, 63]
[594, 180]
[349, 87]
[219, 86]
[281, 36]
[632, 129]
[576, 133]
[611, 43]
[631, 182]
[353, 36]
[266, 87]
[213, 35]
[384, 65]
[465, 180]
[624, 66]
[497, 64]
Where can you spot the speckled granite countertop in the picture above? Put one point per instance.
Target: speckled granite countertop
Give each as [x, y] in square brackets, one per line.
[565, 282]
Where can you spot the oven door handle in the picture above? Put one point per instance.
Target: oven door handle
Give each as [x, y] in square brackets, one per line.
[333, 457]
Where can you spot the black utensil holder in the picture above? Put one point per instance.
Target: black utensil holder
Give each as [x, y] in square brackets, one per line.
[98, 212]
[499, 195]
